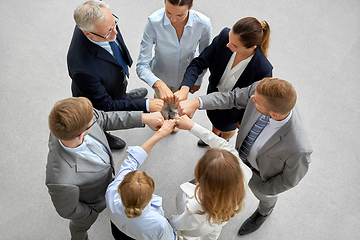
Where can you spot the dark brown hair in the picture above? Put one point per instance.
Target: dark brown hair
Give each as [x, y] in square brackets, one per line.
[253, 33]
[180, 2]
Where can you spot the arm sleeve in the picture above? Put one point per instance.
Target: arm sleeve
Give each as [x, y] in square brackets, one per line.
[295, 169]
[203, 43]
[215, 141]
[119, 119]
[148, 40]
[91, 87]
[67, 204]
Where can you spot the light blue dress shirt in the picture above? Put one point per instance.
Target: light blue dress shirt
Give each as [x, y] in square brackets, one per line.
[172, 56]
[151, 224]
[85, 152]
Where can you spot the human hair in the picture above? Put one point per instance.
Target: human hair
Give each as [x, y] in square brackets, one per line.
[181, 2]
[70, 117]
[253, 33]
[136, 192]
[280, 95]
[220, 189]
[89, 12]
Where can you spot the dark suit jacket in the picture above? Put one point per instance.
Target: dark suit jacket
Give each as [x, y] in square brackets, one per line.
[216, 57]
[97, 75]
[284, 159]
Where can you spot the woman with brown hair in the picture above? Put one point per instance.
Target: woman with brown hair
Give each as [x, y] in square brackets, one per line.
[221, 180]
[237, 57]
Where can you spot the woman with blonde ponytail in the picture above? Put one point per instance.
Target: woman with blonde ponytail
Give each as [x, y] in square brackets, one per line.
[135, 211]
[237, 57]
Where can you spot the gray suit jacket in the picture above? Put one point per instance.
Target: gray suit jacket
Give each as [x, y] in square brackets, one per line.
[284, 159]
[77, 185]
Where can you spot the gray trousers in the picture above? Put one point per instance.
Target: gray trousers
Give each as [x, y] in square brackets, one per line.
[267, 202]
[78, 228]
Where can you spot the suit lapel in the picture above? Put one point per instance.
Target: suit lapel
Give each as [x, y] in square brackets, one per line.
[277, 136]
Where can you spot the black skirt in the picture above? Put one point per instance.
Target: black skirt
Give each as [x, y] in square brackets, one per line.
[225, 120]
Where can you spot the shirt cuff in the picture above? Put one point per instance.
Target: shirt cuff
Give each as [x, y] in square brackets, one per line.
[137, 153]
[201, 103]
[147, 105]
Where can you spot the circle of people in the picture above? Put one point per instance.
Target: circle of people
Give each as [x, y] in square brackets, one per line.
[271, 154]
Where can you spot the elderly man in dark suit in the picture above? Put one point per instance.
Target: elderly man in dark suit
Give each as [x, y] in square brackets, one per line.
[98, 62]
[271, 140]
[80, 164]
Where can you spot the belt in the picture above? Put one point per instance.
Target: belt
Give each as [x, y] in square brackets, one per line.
[246, 162]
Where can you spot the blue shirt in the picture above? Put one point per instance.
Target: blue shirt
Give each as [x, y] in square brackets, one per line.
[85, 152]
[151, 224]
[172, 56]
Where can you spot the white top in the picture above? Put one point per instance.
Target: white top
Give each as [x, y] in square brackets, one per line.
[231, 75]
[171, 57]
[195, 226]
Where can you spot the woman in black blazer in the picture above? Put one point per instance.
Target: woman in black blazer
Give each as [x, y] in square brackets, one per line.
[235, 58]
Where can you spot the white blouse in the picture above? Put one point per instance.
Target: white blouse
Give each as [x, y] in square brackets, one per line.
[231, 75]
[195, 226]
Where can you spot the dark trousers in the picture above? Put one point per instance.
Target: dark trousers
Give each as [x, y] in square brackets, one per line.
[117, 234]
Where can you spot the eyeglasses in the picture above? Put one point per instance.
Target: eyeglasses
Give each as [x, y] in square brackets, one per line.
[95, 119]
[116, 21]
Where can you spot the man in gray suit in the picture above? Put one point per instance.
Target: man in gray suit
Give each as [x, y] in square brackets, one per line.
[278, 152]
[80, 164]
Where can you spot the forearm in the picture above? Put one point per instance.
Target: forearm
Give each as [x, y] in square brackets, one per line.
[149, 144]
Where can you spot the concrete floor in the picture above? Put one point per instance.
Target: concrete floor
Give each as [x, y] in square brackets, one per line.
[314, 45]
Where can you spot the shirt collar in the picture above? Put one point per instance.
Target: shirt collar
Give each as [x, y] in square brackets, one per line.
[101, 44]
[189, 22]
[278, 124]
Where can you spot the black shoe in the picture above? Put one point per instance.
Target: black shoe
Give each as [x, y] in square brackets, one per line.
[115, 142]
[252, 223]
[138, 93]
[201, 143]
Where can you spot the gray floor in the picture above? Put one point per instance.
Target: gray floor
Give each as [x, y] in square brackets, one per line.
[314, 45]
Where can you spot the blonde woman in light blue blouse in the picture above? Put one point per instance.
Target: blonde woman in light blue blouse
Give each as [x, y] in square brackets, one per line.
[175, 32]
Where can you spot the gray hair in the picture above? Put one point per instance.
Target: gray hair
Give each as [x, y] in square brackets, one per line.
[88, 13]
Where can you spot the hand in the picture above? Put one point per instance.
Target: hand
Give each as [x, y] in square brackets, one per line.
[166, 128]
[153, 120]
[165, 93]
[181, 95]
[195, 88]
[184, 122]
[156, 105]
[188, 107]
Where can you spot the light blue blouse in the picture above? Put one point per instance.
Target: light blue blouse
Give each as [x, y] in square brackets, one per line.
[151, 224]
[172, 56]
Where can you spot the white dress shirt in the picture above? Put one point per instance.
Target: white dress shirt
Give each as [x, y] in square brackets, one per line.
[151, 224]
[231, 75]
[272, 127]
[171, 57]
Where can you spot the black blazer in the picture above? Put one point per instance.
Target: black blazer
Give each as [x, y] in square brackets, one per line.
[98, 76]
[216, 57]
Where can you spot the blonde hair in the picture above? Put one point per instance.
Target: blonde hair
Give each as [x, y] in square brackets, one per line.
[280, 95]
[70, 117]
[136, 192]
[220, 189]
